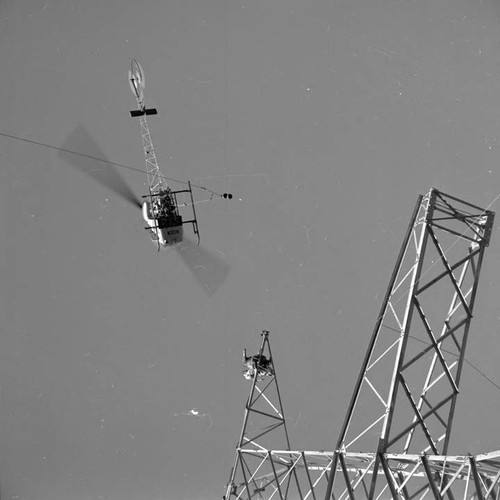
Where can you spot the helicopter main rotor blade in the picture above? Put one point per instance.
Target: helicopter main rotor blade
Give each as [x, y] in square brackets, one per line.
[209, 270]
[85, 147]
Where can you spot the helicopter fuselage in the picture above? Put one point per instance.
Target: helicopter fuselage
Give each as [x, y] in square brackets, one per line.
[168, 232]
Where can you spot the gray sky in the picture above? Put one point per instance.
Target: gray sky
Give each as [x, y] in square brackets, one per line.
[327, 119]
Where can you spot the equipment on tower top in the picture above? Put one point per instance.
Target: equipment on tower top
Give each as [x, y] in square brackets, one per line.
[258, 364]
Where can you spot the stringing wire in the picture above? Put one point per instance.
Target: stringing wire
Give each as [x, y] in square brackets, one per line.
[482, 374]
[84, 155]
[452, 354]
[225, 89]
[128, 167]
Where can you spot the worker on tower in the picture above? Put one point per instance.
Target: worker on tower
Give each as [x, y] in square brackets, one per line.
[258, 363]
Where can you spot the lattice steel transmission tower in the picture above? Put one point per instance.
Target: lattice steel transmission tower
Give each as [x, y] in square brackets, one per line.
[397, 430]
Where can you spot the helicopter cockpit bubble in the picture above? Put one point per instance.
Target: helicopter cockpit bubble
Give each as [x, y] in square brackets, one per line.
[163, 217]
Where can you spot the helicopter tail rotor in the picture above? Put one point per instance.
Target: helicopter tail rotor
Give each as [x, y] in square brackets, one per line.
[137, 81]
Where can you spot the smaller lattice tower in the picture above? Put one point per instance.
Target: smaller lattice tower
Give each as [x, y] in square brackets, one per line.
[264, 429]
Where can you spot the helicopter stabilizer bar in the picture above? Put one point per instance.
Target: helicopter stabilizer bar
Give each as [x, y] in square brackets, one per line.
[143, 112]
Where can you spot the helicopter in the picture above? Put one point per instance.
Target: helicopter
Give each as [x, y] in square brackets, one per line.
[161, 207]
[82, 151]
[160, 210]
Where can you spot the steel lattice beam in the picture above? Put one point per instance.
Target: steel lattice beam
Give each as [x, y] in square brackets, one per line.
[404, 476]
